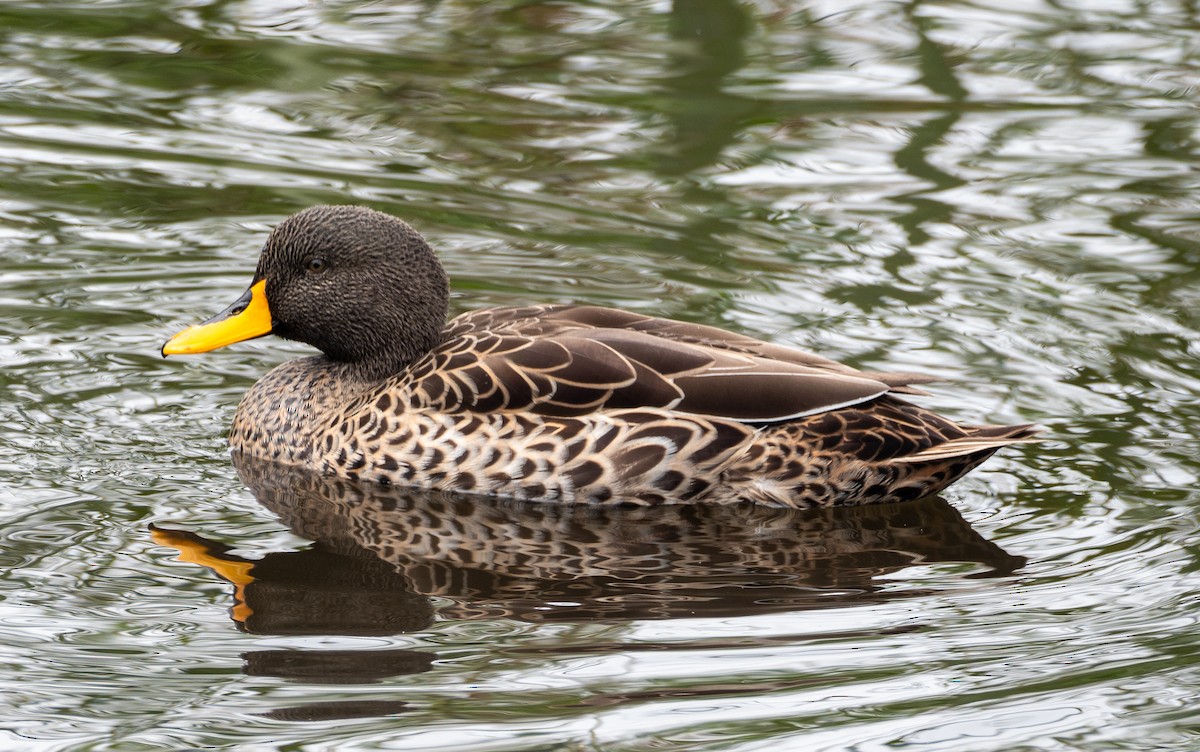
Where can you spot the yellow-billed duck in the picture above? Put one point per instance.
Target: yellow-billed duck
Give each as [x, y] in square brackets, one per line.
[570, 403]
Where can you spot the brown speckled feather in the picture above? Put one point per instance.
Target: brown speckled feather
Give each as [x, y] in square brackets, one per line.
[546, 403]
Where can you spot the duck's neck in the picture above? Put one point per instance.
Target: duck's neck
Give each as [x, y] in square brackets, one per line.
[392, 354]
[375, 369]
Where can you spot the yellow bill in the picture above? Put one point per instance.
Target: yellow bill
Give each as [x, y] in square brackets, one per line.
[248, 317]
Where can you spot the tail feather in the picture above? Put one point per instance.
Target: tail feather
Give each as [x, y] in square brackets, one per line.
[981, 439]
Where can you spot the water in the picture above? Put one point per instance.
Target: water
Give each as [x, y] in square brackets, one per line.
[1002, 193]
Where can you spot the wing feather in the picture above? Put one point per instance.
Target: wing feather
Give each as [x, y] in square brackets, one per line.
[571, 360]
[592, 363]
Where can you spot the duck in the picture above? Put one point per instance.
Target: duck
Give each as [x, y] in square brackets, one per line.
[566, 403]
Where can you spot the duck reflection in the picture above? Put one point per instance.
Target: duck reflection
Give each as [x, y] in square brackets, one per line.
[381, 554]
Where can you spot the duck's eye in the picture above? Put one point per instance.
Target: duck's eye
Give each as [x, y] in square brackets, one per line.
[316, 264]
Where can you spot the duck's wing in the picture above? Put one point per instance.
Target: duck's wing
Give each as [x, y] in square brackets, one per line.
[572, 360]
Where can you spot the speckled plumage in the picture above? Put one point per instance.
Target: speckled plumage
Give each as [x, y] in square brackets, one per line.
[567, 403]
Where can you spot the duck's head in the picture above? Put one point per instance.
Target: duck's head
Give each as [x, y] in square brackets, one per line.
[360, 285]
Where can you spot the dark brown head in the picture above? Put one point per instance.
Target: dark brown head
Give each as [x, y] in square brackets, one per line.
[360, 285]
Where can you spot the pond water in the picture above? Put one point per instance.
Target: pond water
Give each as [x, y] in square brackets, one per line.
[1003, 193]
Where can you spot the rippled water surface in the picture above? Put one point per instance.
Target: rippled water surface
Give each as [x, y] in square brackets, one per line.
[1004, 193]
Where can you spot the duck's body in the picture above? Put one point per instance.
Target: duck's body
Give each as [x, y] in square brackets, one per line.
[564, 403]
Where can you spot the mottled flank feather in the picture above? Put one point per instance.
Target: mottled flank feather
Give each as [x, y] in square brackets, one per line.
[571, 403]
